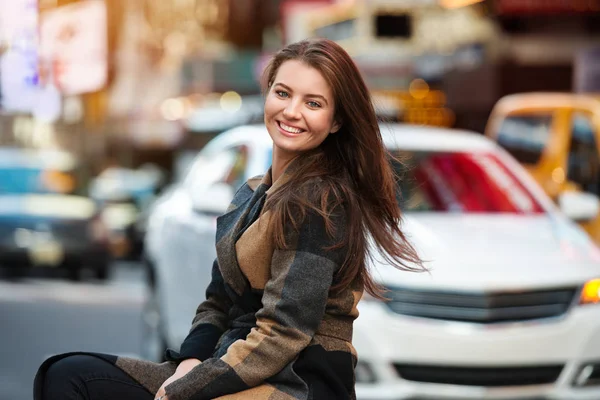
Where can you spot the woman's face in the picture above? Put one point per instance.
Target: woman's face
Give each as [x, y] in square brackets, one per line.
[299, 109]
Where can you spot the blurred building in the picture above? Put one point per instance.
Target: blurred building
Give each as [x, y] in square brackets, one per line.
[446, 62]
[175, 59]
[542, 43]
[171, 74]
[403, 48]
[54, 72]
[148, 64]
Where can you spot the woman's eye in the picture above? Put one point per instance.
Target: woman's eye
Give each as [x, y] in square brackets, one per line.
[281, 93]
[314, 104]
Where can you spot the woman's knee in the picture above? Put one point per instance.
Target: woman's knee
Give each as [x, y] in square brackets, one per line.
[63, 379]
[72, 366]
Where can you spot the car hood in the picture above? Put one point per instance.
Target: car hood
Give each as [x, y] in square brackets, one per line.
[46, 206]
[494, 252]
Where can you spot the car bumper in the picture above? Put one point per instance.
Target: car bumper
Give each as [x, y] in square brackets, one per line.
[60, 256]
[384, 340]
[408, 391]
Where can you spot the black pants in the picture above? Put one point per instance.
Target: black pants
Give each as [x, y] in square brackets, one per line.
[82, 377]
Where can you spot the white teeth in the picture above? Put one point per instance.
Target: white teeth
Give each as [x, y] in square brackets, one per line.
[289, 128]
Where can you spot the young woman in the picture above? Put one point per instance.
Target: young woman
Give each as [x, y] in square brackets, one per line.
[292, 256]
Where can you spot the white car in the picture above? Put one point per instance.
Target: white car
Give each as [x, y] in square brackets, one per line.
[509, 309]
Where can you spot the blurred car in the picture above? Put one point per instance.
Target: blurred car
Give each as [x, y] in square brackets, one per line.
[219, 112]
[123, 194]
[509, 309]
[556, 136]
[41, 224]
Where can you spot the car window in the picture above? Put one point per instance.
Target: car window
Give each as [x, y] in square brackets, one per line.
[461, 183]
[237, 174]
[525, 136]
[584, 160]
[227, 166]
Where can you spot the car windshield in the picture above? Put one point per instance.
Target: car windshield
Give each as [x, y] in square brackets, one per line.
[525, 136]
[457, 182]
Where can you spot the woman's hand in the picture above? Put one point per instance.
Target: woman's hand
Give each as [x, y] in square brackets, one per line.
[183, 368]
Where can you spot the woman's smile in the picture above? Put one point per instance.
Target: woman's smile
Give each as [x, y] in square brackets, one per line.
[288, 130]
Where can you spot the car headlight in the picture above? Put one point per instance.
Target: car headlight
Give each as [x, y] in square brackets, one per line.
[97, 230]
[364, 373]
[590, 294]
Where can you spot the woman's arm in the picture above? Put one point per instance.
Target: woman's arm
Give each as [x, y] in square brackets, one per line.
[294, 302]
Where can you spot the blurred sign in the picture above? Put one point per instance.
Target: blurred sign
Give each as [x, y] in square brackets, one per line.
[516, 7]
[587, 71]
[421, 107]
[48, 104]
[73, 46]
[18, 54]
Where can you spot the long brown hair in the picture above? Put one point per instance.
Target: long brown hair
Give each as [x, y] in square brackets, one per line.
[354, 166]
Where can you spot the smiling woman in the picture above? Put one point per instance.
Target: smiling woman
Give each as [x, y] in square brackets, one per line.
[299, 112]
[292, 252]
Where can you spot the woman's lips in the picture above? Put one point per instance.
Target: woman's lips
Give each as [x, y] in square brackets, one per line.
[287, 133]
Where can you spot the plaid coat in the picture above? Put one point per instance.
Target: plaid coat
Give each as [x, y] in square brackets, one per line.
[270, 328]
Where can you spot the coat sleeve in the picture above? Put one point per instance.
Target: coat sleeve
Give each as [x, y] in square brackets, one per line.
[209, 323]
[294, 301]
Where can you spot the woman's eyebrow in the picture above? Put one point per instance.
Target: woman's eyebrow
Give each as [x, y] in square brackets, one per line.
[289, 89]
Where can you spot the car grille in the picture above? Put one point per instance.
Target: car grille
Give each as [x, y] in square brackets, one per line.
[475, 376]
[75, 231]
[483, 308]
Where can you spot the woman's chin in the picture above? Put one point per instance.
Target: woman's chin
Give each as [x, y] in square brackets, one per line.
[287, 148]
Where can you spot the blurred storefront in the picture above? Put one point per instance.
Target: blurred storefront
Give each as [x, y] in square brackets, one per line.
[54, 69]
[113, 81]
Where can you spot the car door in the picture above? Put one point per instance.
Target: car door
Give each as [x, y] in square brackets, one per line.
[185, 260]
[583, 163]
[537, 138]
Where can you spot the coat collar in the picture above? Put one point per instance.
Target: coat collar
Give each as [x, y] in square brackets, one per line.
[267, 178]
[232, 224]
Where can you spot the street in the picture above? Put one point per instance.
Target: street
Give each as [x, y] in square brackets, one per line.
[42, 317]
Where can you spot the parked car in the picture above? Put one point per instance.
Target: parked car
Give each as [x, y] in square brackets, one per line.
[123, 194]
[43, 225]
[509, 309]
[556, 136]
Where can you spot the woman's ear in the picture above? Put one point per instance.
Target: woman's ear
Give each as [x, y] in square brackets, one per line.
[335, 127]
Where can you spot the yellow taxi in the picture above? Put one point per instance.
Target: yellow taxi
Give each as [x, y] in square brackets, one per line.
[556, 136]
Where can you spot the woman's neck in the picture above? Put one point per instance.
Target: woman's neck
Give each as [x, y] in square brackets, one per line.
[280, 162]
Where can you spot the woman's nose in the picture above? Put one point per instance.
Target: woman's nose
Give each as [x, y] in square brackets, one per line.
[292, 110]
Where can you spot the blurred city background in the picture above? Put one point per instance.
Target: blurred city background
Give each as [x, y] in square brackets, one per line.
[104, 105]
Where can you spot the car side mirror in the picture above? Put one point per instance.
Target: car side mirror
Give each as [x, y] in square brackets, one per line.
[213, 200]
[579, 206]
